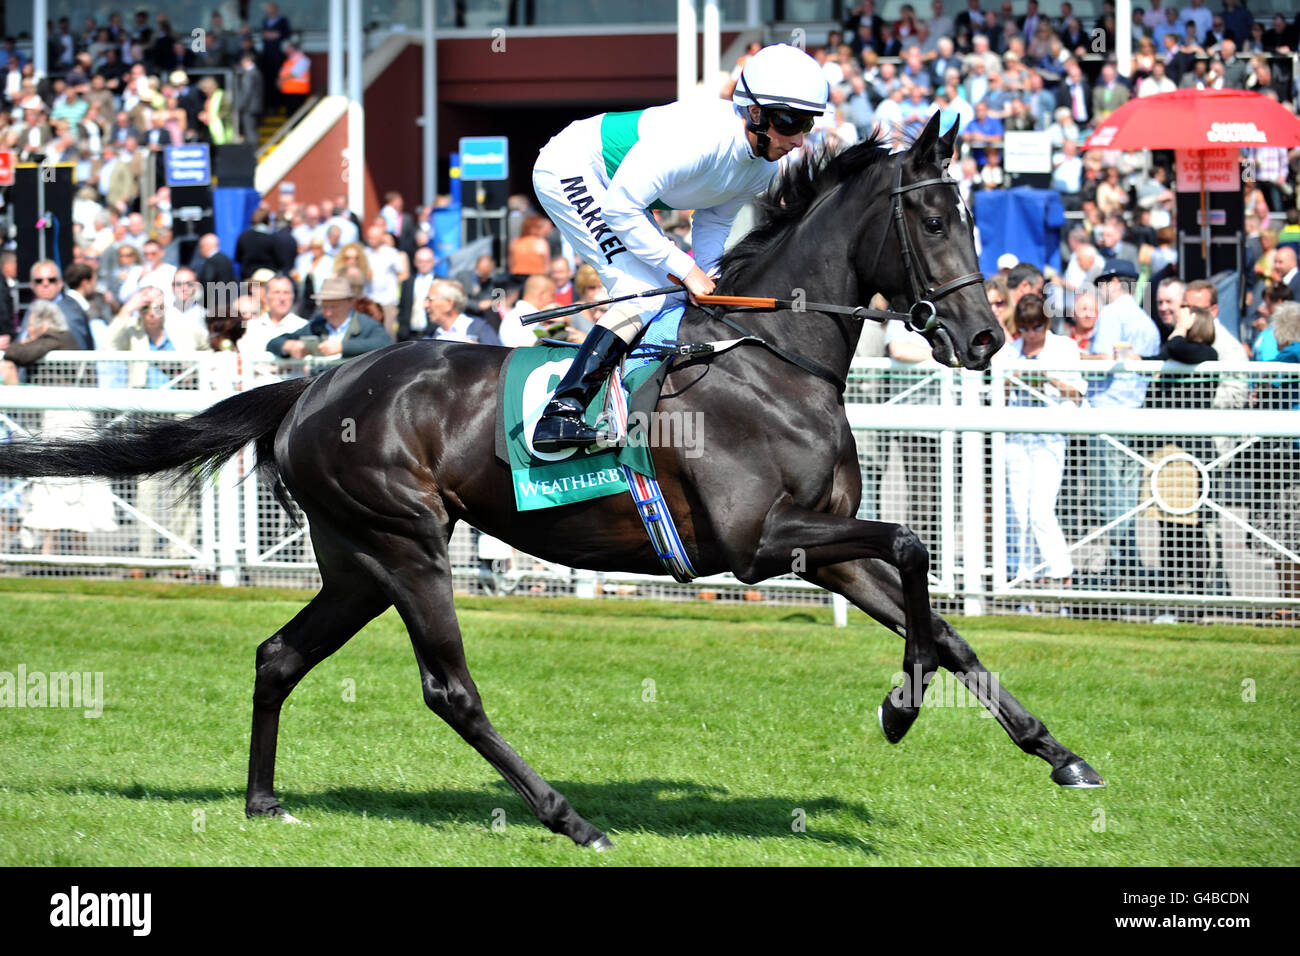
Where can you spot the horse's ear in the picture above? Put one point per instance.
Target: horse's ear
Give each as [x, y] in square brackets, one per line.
[948, 141]
[931, 147]
[922, 152]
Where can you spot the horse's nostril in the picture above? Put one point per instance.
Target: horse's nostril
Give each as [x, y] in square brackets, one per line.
[983, 340]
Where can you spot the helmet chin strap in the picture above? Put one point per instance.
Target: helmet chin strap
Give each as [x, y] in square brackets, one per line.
[758, 127]
[762, 141]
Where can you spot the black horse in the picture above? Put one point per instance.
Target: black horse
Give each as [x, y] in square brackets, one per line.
[386, 453]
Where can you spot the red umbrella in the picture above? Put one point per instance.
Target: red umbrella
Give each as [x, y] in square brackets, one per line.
[1197, 119]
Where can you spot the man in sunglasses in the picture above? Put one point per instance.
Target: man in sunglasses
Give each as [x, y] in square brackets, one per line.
[47, 284]
[599, 178]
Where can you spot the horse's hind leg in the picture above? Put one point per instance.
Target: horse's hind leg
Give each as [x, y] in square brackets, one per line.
[424, 599]
[342, 608]
[873, 587]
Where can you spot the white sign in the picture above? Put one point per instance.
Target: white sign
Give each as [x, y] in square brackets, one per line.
[1027, 152]
[1235, 133]
[1222, 170]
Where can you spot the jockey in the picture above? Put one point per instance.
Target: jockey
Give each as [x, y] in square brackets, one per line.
[599, 178]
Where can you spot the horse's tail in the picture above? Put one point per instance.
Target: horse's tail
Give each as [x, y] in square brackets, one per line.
[149, 444]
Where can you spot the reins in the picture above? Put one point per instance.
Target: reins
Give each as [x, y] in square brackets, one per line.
[793, 358]
[761, 303]
[922, 316]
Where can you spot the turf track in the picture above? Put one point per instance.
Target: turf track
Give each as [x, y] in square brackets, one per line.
[761, 717]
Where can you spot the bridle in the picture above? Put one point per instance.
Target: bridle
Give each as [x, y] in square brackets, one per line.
[921, 316]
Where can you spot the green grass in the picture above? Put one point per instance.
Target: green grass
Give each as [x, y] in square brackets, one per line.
[760, 713]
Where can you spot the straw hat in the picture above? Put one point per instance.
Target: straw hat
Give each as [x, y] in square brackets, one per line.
[334, 289]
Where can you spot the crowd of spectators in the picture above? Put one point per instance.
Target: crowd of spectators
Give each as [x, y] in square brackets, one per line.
[111, 80]
[1116, 294]
[315, 280]
[115, 96]
[1010, 68]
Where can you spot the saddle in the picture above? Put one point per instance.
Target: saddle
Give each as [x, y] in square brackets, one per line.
[625, 405]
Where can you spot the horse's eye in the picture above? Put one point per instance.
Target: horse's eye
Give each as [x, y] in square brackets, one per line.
[934, 226]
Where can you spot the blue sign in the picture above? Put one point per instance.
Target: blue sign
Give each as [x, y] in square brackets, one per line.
[187, 165]
[484, 157]
[446, 236]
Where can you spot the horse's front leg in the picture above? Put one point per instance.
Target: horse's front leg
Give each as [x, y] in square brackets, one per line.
[875, 589]
[795, 538]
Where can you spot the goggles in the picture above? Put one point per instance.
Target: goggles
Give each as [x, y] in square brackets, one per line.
[789, 123]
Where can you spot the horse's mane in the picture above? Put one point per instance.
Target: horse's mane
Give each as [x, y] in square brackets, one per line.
[794, 191]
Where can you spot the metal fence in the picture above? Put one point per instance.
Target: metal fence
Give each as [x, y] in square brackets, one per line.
[1180, 502]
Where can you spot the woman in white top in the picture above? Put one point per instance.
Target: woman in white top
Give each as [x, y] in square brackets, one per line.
[1036, 462]
[314, 264]
[599, 178]
[124, 282]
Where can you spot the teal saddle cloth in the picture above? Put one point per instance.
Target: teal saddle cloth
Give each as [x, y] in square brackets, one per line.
[531, 375]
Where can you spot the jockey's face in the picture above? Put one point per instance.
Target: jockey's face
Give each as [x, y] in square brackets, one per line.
[780, 144]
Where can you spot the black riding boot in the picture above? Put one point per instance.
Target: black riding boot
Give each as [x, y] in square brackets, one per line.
[561, 425]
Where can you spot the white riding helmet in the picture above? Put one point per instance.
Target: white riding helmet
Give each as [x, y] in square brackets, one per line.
[783, 76]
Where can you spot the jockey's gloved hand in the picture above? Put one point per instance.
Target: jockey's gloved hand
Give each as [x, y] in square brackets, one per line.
[698, 282]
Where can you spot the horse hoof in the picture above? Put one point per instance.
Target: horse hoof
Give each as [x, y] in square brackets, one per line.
[601, 844]
[274, 811]
[894, 721]
[1077, 775]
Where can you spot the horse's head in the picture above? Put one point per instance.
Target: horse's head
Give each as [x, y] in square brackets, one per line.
[923, 258]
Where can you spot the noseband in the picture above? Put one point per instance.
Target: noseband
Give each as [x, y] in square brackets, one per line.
[922, 316]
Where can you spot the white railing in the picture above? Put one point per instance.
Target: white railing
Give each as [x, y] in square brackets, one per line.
[934, 448]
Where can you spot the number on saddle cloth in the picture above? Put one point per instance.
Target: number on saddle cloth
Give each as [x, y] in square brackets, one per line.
[549, 480]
